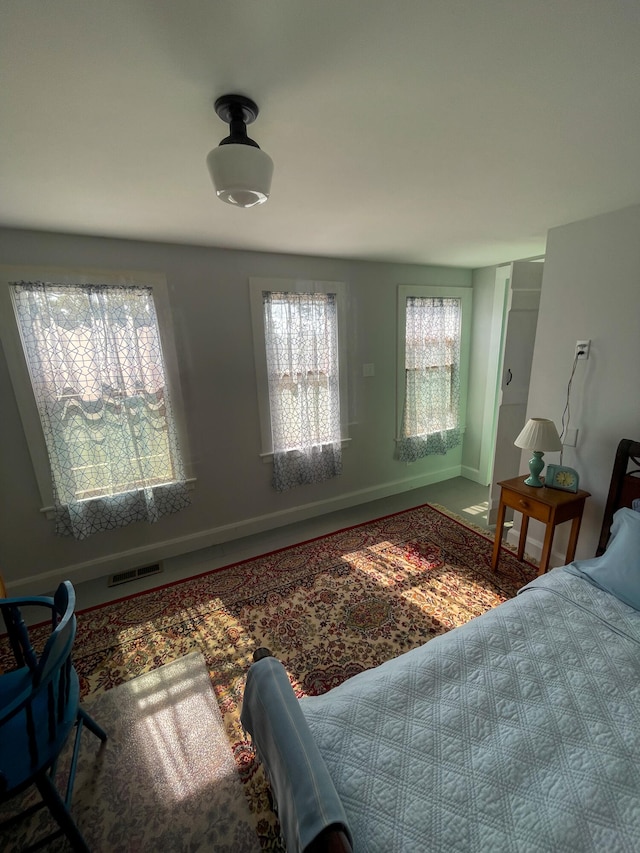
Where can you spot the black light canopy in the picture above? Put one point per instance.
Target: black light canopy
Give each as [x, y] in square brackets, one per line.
[241, 172]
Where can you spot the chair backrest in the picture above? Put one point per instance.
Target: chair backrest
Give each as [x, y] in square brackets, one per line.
[58, 647]
[60, 607]
[3, 594]
[50, 708]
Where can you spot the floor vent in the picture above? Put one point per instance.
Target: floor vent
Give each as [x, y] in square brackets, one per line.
[134, 574]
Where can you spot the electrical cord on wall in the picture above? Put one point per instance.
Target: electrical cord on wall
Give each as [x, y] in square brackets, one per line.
[567, 409]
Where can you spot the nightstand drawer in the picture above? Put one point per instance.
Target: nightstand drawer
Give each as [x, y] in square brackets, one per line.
[528, 506]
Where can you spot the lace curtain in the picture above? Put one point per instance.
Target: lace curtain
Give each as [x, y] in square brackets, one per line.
[301, 336]
[97, 370]
[431, 418]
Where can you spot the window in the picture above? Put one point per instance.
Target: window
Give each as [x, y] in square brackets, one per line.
[432, 357]
[299, 366]
[99, 381]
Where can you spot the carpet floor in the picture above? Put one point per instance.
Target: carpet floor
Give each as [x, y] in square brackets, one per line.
[328, 608]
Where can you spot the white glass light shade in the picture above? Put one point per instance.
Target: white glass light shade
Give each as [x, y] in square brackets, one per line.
[241, 174]
[539, 434]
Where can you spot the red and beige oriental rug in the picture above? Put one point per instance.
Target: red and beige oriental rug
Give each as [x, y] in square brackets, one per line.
[328, 608]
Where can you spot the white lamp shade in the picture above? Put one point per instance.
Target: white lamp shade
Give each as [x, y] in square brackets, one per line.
[539, 434]
[241, 174]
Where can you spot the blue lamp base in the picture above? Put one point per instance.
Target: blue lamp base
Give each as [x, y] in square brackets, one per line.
[535, 467]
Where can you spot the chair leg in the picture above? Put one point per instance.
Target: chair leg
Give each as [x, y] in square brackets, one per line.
[91, 724]
[56, 806]
[82, 719]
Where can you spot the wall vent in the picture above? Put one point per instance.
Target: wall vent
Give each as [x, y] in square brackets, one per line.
[134, 574]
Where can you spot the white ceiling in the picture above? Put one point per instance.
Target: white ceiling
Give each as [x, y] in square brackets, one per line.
[432, 131]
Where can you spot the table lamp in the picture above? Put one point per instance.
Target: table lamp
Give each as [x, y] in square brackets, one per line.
[539, 434]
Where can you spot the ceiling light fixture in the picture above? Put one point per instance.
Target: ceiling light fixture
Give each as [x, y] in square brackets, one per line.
[240, 171]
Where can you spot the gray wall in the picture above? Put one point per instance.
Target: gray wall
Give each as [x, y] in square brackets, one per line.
[590, 290]
[209, 294]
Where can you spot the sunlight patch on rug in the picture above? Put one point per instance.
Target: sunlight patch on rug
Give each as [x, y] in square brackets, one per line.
[166, 778]
[176, 731]
[169, 779]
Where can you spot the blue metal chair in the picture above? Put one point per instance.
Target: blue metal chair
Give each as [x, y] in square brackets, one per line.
[39, 706]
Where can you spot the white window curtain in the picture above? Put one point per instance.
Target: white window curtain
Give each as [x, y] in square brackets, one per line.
[301, 338]
[98, 376]
[431, 417]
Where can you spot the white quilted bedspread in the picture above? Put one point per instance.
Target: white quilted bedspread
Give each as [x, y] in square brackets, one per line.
[519, 731]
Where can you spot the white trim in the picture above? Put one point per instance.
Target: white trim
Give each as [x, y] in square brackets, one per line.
[473, 474]
[465, 294]
[133, 557]
[19, 371]
[494, 360]
[293, 285]
[533, 548]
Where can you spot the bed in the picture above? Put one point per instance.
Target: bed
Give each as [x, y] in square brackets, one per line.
[518, 731]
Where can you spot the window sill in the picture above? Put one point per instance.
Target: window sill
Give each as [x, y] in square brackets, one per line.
[50, 511]
[268, 457]
[462, 429]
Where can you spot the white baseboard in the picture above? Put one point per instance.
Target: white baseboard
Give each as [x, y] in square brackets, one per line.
[534, 549]
[473, 474]
[492, 515]
[134, 557]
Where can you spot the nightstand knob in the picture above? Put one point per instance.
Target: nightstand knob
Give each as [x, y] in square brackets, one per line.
[524, 504]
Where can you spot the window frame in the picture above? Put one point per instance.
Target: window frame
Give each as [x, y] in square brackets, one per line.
[19, 370]
[433, 292]
[295, 285]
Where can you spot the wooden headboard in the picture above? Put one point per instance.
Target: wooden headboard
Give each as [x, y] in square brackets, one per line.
[624, 487]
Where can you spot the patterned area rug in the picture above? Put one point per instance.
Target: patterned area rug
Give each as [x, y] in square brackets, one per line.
[328, 608]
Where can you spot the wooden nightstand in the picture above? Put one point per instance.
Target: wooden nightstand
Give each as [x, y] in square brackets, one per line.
[550, 506]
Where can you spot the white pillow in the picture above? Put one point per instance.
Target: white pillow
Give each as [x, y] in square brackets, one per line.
[618, 570]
